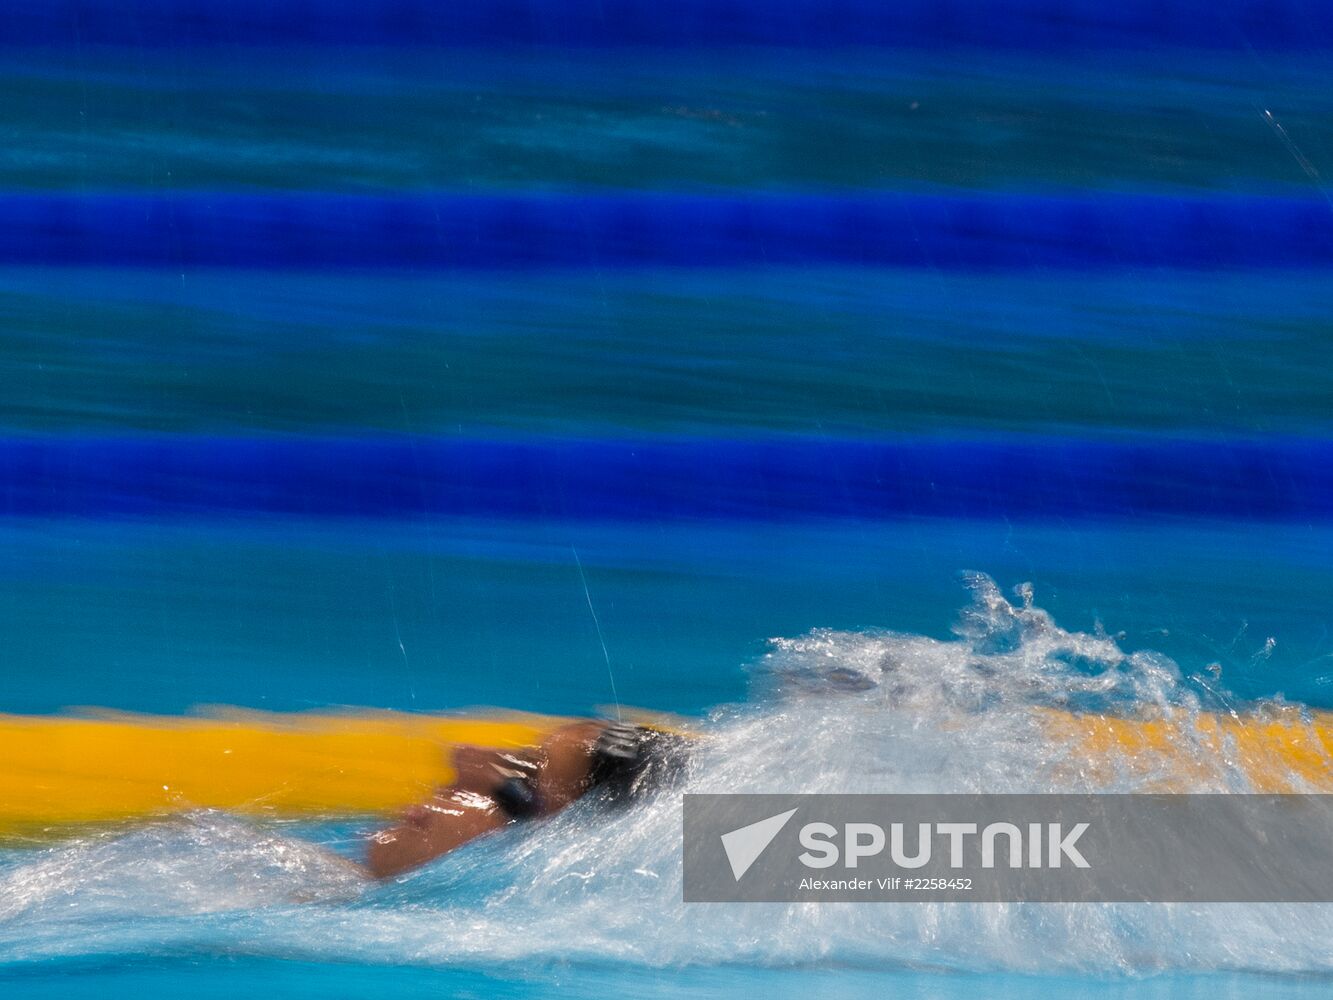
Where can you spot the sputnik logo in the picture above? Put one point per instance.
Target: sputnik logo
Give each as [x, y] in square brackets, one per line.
[744, 845]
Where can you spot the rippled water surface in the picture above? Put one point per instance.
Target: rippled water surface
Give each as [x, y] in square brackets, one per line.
[705, 366]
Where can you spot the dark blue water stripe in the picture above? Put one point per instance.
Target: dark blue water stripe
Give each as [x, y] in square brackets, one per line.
[1020, 24]
[459, 231]
[663, 479]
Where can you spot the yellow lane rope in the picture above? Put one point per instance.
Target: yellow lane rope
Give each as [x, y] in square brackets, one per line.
[59, 772]
[1276, 754]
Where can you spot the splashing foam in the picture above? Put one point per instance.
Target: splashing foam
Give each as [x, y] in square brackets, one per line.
[833, 711]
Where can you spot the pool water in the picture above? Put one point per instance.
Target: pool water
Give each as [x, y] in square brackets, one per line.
[568, 361]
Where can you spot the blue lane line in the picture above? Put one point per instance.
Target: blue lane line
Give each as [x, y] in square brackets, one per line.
[614, 230]
[1019, 24]
[770, 479]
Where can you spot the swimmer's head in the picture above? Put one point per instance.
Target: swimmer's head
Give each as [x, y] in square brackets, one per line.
[629, 761]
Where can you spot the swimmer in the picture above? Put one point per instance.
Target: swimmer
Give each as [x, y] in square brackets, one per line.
[494, 788]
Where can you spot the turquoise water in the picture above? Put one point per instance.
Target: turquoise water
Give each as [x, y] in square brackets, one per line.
[415, 446]
[450, 613]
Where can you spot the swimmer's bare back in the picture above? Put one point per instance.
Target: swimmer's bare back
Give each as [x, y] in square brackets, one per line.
[557, 772]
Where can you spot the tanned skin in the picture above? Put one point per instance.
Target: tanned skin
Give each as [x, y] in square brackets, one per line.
[558, 771]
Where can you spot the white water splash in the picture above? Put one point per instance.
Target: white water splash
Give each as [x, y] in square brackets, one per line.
[834, 711]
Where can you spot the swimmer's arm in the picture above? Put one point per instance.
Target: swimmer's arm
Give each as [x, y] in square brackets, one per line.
[448, 821]
[456, 815]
